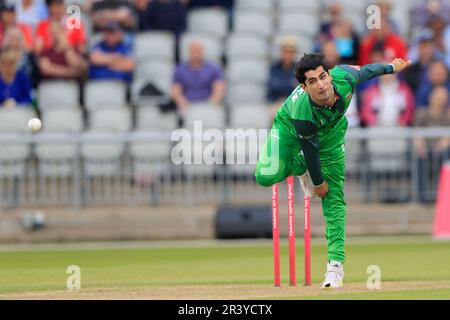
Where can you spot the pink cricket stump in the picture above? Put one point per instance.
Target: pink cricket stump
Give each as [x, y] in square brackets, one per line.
[275, 236]
[291, 229]
[307, 239]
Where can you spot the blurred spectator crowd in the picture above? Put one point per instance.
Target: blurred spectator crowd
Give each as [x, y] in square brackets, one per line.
[175, 53]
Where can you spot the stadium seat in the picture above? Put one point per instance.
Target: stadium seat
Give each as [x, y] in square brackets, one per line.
[58, 94]
[243, 92]
[299, 23]
[160, 73]
[213, 46]
[13, 121]
[154, 45]
[264, 6]
[211, 116]
[248, 116]
[246, 46]
[387, 155]
[312, 7]
[208, 117]
[211, 21]
[151, 158]
[151, 118]
[242, 155]
[253, 23]
[104, 94]
[248, 70]
[56, 159]
[103, 158]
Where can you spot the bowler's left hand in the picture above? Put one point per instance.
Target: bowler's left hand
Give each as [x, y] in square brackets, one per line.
[400, 64]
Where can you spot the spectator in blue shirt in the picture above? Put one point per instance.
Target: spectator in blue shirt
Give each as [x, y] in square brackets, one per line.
[197, 80]
[112, 57]
[437, 75]
[15, 86]
[282, 79]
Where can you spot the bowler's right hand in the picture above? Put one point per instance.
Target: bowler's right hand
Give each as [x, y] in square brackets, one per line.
[322, 190]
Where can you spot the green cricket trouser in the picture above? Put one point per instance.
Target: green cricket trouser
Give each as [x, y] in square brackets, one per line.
[280, 157]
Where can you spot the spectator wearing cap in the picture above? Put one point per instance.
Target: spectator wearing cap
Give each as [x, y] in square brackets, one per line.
[61, 60]
[112, 58]
[393, 45]
[31, 12]
[422, 54]
[282, 79]
[437, 75]
[197, 80]
[8, 20]
[162, 15]
[57, 14]
[15, 86]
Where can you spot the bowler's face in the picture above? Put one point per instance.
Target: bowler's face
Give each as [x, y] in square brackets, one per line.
[318, 84]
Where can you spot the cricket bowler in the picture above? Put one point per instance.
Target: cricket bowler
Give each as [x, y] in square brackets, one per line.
[307, 140]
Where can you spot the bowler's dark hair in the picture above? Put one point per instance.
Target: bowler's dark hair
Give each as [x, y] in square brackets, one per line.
[309, 61]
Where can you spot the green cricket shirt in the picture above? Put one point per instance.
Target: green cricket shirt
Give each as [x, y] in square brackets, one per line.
[321, 129]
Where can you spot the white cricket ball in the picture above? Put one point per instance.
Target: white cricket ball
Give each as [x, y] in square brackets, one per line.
[34, 124]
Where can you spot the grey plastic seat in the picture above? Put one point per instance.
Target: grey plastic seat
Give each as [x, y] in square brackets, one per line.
[13, 121]
[158, 72]
[206, 117]
[213, 47]
[210, 116]
[104, 94]
[62, 120]
[255, 116]
[103, 158]
[58, 94]
[266, 6]
[151, 158]
[154, 45]
[242, 155]
[247, 46]
[151, 118]
[299, 23]
[254, 23]
[248, 69]
[212, 21]
[312, 7]
[387, 155]
[56, 159]
[243, 92]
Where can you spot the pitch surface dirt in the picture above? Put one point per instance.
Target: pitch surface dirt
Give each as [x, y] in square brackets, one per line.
[224, 292]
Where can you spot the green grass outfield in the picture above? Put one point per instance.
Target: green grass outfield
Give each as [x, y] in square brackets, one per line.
[133, 267]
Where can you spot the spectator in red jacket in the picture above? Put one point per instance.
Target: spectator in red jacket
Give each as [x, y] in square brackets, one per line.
[61, 60]
[57, 13]
[393, 45]
[387, 103]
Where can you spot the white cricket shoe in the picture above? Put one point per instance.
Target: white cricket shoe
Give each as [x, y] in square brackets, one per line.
[335, 275]
[307, 184]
